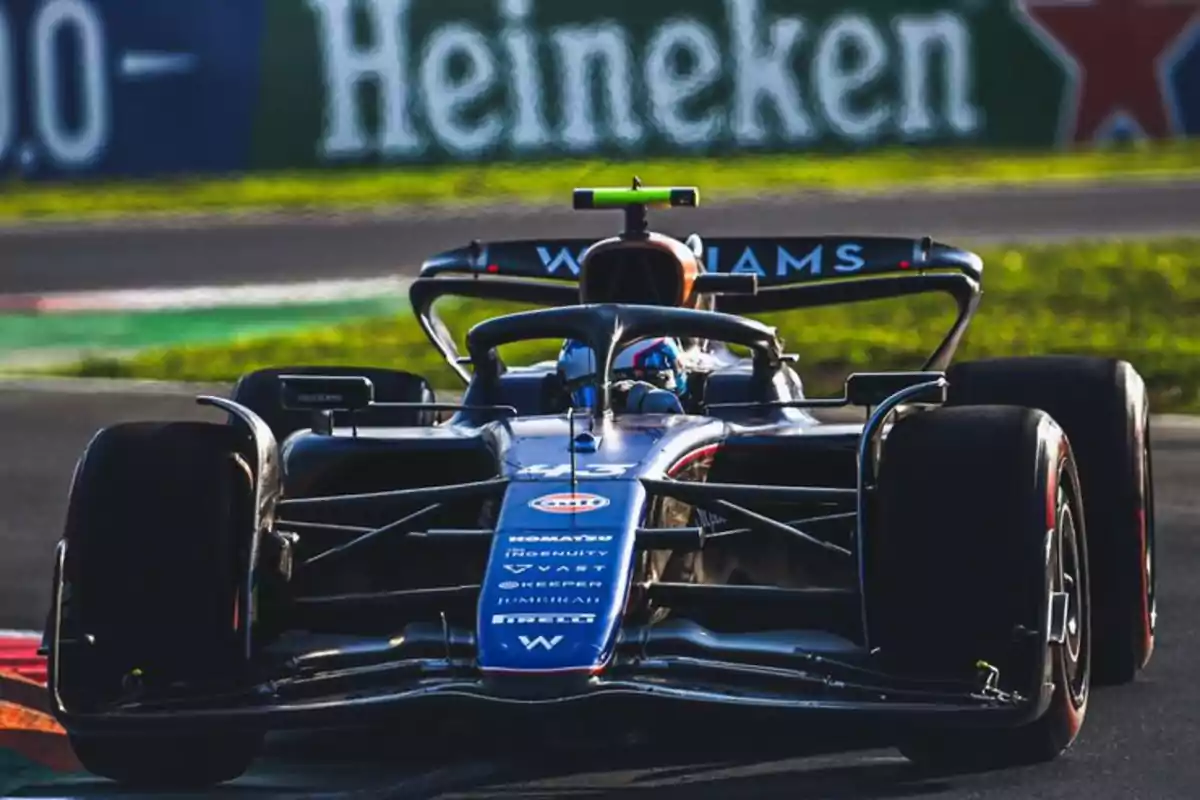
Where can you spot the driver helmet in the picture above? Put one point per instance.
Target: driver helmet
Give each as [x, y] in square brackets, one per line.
[658, 362]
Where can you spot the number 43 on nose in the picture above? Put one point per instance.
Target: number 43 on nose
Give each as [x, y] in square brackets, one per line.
[564, 470]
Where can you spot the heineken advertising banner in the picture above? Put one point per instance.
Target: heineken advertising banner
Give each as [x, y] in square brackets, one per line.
[129, 87]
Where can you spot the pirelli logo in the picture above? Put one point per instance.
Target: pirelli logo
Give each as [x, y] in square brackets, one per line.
[543, 619]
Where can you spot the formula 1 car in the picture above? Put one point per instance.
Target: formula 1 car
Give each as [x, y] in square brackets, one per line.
[955, 568]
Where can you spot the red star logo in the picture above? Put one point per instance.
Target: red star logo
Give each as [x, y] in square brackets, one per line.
[1115, 45]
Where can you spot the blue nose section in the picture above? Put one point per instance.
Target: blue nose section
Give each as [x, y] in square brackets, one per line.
[558, 578]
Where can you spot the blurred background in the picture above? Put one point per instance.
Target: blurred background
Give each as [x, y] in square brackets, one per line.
[193, 189]
[197, 188]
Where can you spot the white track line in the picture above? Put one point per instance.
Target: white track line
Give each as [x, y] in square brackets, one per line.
[11, 634]
[109, 386]
[203, 297]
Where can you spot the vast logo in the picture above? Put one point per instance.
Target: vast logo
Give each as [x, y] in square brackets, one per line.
[568, 503]
[540, 641]
[517, 569]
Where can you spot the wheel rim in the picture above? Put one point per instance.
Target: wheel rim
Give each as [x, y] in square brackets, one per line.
[1151, 574]
[1071, 579]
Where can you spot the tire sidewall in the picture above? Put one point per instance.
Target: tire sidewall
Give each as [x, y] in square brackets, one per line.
[1102, 405]
[1068, 706]
[1148, 550]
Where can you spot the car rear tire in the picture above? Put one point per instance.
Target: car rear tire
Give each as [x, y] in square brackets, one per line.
[977, 522]
[259, 391]
[157, 525]
[1103, 406]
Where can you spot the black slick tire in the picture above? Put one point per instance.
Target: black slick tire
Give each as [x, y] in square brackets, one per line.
[157, 522]
[976, 526]
[1103, 406]
[259, 391]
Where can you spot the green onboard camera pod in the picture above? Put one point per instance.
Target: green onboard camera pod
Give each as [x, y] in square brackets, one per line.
[635, 200]
[648, 197]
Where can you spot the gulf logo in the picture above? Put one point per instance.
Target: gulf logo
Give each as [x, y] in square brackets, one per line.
[568, 503]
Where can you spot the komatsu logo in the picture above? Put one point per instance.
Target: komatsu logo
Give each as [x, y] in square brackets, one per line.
[580, 537]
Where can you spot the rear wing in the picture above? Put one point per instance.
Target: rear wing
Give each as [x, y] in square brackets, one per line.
[784, 261]
[791, 272]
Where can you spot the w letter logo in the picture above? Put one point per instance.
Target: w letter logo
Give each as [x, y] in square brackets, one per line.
[564, 258]
[540, 641]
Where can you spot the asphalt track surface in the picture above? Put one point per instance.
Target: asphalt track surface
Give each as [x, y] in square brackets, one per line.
[1139, 741]
[266, 249]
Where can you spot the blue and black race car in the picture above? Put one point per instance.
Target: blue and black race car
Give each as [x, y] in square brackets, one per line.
[660, 523]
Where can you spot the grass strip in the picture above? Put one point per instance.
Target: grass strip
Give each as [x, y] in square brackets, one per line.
[1135, 299]
[552, 181]
[122, 330]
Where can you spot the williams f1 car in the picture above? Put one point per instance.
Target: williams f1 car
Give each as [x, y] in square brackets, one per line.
[955, 566]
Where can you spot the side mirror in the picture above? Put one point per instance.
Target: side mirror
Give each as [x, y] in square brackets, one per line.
[325, 392]
[726, 283]
[872, 388]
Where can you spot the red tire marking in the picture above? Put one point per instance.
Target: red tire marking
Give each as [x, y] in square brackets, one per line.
[691, 458]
